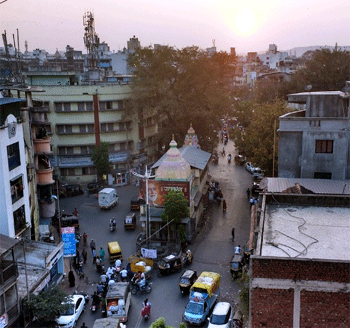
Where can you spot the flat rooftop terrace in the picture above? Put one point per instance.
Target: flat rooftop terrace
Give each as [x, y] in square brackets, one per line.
[306, 232]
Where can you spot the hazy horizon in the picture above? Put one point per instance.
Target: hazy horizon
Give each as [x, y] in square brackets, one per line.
[249, 26]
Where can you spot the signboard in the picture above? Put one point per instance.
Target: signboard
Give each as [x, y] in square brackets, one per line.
[68, 237]
[157, 189]
[149, 253]
[3, 320]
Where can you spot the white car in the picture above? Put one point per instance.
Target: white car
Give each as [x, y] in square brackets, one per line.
[222, 316]
[249, 167]
[69, 318]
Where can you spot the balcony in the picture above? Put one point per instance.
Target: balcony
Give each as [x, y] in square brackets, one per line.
[44, 176]
[47, 208]
[42, 146]
[8, 272]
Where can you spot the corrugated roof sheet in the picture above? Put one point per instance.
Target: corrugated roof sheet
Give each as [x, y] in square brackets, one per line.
[7, 100]
[317, 186]
[197, 158]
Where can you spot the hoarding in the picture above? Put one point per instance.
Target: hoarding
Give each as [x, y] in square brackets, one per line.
[68, 237]
[157, 189]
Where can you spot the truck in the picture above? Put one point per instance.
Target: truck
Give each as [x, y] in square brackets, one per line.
[118, 301]
[204, 293]
[107, 198]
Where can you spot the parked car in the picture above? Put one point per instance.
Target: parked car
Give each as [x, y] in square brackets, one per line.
[70, 316]
[258, 174]
[222, 316]
[249, 167]
[71, 190]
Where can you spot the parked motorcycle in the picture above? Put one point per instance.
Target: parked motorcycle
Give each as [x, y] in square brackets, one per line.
[144, 289]
[112, 225]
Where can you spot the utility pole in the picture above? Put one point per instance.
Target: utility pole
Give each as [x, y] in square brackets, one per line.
[146, 177]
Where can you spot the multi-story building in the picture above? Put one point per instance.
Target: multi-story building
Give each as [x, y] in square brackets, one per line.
[315, 142]
[273, 58]
[15, 200]
[299, 273]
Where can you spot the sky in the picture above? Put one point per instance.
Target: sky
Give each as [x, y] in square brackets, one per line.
[249, 25]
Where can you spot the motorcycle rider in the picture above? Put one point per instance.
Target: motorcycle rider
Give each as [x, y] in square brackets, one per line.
[146, 309]
[112, 224]
[95, 299]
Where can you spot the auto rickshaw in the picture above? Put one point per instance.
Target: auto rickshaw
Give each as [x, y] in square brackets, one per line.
[70, 221]
[130, 222]
[169, 264]
[187, 279]
[236, 265]
[114, 251]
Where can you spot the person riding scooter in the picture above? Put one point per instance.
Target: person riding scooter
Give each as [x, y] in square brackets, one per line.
[146, 310]
[112, 224]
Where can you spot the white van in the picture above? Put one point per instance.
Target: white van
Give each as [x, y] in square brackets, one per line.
[107, 198]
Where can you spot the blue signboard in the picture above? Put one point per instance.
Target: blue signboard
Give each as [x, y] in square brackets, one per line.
[68, 237]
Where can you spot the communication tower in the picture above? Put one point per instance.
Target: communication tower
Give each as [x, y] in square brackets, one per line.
[91, 40]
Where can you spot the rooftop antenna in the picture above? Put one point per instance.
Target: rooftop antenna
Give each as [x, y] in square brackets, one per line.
[91, 39]
[213, 43]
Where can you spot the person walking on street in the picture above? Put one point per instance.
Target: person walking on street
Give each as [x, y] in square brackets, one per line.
[92, 245]
[102, 254]
[85, 238]
[84, 255]
[75, 213]
[233, 234]
[248, 193]
[93, 256]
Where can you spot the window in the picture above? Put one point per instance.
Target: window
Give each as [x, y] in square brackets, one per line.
[82, 128]
[88, 171]
[324, 146]
[16, 189]
[111, 148]
[89, 105]
[322, 175]
[91, 128]
[81, 106]
[110, 127]
[122, 146]
[120, 104]
[13, 156]
[67, 172]
[58, 107]
[60, 129]
[19, 219]
[121, 126]
[68, 128]
[70, 151]
[102, 105]
[66, 107]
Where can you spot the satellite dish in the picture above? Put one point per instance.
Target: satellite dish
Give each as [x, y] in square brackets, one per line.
[308, 87]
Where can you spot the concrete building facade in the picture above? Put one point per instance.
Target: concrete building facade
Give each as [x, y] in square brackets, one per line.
[314, 141]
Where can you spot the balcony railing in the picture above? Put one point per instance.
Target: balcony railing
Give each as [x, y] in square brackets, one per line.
[42, 146]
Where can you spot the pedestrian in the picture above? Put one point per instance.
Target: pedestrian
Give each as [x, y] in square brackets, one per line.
[238, 250]
[77, 253]
[102, 254]
[85, 238]
[93, 256]
[71, 278]
[75, 213]
[248, 193]
[83, 325]
[233, 234]
[92, 245]
[84, 255]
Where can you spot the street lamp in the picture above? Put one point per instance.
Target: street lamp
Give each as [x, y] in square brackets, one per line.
[146, 176]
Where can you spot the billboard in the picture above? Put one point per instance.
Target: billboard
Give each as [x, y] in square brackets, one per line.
[157, 189]
[68, 237]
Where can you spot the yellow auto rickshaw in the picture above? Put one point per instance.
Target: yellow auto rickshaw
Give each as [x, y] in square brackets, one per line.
[114, 251]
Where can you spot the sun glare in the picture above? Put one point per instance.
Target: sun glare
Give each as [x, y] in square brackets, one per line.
[245, 21]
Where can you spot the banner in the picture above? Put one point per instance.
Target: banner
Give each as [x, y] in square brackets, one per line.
[149, 253]
[157, 189]
[68, 237]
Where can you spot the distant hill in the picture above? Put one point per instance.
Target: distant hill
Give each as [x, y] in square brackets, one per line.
[299, 51]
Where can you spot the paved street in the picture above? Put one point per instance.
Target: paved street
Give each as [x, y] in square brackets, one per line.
[212, 248]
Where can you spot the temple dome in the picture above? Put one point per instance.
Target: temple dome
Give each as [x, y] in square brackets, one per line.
[173, 167]
[191, 138]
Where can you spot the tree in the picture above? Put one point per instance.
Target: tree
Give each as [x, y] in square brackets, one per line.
[326, 71]
[175, 208]
[46, 305]
[160, 323]
[257, 139]
[179, 86]
[100, 157]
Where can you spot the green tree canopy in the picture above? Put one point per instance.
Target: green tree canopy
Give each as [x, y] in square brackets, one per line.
[46, 305]
[176, 208]
[160, 323]
[326, 71]
[180, 86]
[256, 140]
[100, 157]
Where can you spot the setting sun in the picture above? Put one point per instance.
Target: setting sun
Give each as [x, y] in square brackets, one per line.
[245, 21]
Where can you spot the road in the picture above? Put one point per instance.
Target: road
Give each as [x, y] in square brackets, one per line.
[212, 248]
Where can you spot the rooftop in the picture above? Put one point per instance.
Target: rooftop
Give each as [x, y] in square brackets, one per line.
[306, 232]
